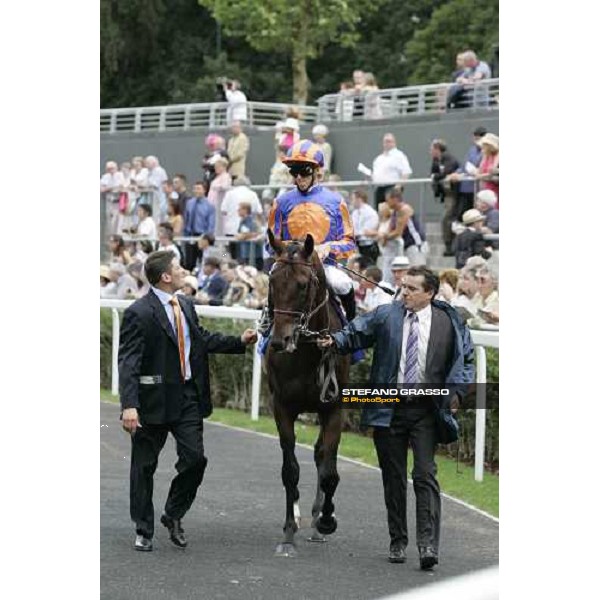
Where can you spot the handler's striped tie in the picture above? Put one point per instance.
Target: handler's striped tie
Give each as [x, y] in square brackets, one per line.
[411, 367]
[180, 335]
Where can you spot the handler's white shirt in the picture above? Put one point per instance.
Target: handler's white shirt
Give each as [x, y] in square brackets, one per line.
[424, 323]
[391, 166]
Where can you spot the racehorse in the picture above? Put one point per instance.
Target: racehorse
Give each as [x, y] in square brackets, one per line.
[300, 377]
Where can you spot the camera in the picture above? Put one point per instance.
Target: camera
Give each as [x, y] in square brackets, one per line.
[224, 82]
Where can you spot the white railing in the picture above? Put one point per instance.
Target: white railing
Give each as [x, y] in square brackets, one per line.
[481, 340]
[379, 104]
[400, 102]
[183, 117]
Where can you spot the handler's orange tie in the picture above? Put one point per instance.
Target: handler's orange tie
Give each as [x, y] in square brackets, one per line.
[180, 336]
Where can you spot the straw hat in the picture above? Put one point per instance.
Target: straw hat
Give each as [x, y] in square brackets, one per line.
[291, 123]
[491, 140]
[400, 262]
[104, 272]
[472, 216]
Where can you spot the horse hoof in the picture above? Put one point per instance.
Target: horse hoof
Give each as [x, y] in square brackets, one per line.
[285, 550]
[316, 537]
[326, 525]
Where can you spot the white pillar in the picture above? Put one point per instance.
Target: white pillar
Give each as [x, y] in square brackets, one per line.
[255, 383]
[116, 327]
[480, 412]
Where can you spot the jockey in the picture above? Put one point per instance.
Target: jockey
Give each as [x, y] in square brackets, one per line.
[314, 209]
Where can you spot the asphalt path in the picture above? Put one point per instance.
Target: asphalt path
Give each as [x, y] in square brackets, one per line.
[236, 522]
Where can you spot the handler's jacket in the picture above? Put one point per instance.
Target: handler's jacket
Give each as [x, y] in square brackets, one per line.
[382, 329]
[150, 377]
[320, 212]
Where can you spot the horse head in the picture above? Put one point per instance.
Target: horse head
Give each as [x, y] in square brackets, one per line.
[297, 283]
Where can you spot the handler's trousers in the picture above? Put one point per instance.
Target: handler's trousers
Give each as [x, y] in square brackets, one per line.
[417, 426]
[146, 444]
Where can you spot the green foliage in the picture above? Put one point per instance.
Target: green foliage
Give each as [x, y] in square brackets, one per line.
[299, 29]
[303, 27]
[105, 348]
[455, 26]
[158, 52]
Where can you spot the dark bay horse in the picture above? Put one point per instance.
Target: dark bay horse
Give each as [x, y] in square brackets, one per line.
[299, 297]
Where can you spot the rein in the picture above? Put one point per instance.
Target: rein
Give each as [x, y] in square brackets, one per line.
[326, 375]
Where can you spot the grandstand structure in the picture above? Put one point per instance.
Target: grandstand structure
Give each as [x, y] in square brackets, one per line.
[415, 115]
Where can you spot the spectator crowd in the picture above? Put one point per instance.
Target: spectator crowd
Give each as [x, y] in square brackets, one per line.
[223, 221]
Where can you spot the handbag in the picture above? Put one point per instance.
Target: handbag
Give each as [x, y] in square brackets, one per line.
[123, 202]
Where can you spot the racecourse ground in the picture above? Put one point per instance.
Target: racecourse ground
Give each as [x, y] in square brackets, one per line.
[236, 520]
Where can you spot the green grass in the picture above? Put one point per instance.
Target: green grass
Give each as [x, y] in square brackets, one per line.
[461, 485]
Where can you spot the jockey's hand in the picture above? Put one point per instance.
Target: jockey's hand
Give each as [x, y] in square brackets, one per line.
[249, 337]
[325, 342]
[323, 251]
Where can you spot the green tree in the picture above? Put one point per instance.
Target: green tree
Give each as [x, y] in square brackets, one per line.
[381, 49]
[455, 26]
[301, 29]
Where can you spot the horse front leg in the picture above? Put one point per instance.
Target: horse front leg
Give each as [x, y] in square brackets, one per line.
[326, 523]
[290, 475]
[315, 536]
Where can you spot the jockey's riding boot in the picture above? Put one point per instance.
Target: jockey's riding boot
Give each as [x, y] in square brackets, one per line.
[349, 304]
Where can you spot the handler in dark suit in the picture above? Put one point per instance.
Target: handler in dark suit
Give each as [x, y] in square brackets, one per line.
[164, 386]
[416, 341]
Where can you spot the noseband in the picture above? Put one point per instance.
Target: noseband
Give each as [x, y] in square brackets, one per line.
[305, 316]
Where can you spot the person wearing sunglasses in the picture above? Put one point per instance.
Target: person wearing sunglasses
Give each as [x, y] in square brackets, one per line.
[312, 208]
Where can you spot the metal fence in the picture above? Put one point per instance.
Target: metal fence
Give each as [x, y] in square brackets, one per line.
[351, 106]
[416, 192]
[415, 100]
[184, 117]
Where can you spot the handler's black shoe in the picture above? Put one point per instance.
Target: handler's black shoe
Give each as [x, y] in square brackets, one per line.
[143, 544]
[427, 557]
[397, 554]
[175, 530]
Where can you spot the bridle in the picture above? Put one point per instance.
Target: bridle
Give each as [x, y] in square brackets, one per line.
[326, 375]
[305, 315]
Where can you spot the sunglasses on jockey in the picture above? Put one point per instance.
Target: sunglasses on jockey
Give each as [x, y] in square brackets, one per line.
[303, 170]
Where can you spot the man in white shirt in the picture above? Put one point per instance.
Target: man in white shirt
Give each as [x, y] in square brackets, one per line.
[146, 226]
[365, 221]
[374, 295]
[390, 167]
[231, 202]
[110, 185]
[238, 103]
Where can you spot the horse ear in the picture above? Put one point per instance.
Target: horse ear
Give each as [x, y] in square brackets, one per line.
[309, 245]
[274, 242]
